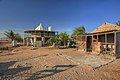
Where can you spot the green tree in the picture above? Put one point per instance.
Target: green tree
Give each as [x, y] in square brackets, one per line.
[118, 23]
[78, 31]
[10, 34]
[19, 38]
[50, 41]
[53, 41]
[63, 37]
[13, 36]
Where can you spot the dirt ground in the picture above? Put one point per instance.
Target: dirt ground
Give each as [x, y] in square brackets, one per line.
[23, 63]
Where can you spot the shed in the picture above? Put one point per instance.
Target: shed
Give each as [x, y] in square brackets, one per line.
[104, 39]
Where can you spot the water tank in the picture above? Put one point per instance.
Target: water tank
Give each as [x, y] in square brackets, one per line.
[49, 28]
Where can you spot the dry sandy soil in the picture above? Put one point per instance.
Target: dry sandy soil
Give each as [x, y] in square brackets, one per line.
[23, 63]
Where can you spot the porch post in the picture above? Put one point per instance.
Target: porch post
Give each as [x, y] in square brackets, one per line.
[27, 41]
[92, 43]
[106, 42]
[115, 42]
[43, 41]
[86, 43]
[34, 41]
[105, 38]
[97, 37]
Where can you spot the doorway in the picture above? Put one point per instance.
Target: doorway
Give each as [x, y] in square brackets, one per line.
[89, 43]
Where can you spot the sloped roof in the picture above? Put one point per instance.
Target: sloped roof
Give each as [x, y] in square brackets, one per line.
[40, 27]
[107, 27]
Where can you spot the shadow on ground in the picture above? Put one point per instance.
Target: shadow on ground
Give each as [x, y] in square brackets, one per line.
[7, 73]
[6, 54]
[34, 57]
[50, 72]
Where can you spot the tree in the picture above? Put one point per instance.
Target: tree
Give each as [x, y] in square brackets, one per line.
[50, 41]
[63, 37]
[78, 31]
[10, 34]
[118, 23]
[53, 41]
[19, 38]
[13, 36]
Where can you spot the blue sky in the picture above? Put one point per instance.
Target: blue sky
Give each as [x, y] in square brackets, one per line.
[62, 15]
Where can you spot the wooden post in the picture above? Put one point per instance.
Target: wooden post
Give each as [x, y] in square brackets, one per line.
[105, 38]
[97, 37]
[106, 42]
[92, 43]
[86, 42]
[115, 42]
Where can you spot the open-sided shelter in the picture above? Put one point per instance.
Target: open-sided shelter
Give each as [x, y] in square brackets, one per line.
[104, 39]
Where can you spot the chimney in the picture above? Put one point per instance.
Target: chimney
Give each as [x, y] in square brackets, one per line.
[49, 28]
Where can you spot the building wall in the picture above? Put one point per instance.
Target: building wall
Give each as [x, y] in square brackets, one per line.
[5, 44]
[118, 43]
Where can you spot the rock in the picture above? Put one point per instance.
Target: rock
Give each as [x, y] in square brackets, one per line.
[15, 50]
[0, 51]
[18, 66]
[59, 54]
[34, 48]
[45, 66]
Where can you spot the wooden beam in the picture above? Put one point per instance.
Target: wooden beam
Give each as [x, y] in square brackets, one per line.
[103, 33]
[105, 38]
[115, 42]
[92, 43]
[86, 43]
[97, 37]
[106, 42]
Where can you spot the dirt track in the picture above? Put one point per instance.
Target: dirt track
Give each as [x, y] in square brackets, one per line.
[47, 64]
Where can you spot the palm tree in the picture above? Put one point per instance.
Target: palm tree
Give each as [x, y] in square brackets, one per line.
[10, 34]
[118, 23]
[50, 41]
[64, 37]
[53, 41]
[78, 31]
[18, 37]
[13, 36]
